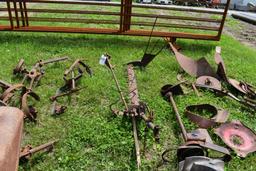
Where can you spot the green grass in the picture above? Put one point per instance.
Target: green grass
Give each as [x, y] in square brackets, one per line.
[90, 137]
[232, 23]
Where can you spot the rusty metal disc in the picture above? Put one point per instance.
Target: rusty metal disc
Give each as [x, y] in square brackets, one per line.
[238, 137]
[208, 81]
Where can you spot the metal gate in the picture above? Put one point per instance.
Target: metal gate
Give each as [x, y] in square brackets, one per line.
[117, 18]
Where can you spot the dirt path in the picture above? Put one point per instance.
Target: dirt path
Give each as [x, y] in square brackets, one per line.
[244, 32]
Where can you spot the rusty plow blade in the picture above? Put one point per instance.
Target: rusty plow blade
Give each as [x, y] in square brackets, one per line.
[148, 55]
[194, 68]
[146, 59]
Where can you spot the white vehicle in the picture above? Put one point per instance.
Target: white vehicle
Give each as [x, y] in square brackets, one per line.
[162, 2]
[243, 5]
[251, 6]
[145, 1]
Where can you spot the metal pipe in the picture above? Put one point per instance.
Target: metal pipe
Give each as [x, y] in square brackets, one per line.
[136, 142]
[195, 89]
[117, 83]
[71, 68]
[65, 93]
[182, 127]
[244, 102]
[53, 60]
[4, 84]
[73, 79]
[121, 16]
[36, 149]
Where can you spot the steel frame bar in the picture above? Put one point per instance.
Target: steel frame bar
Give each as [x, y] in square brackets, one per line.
[115, 4]
[119, 14]
[91, 21]
[22, 13]
[16, 14]
[223, 19]
[110, 31]
[26, 13]
[9, 13]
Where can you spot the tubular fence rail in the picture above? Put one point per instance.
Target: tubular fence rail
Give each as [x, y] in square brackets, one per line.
[119, 18]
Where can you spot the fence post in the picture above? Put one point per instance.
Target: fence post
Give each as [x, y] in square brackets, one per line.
[223, 19]
[9, 13]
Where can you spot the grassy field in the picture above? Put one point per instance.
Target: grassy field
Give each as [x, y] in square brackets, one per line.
[90, 136]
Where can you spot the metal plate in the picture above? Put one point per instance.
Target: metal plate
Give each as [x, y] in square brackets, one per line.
[11, 124]
[238, 137]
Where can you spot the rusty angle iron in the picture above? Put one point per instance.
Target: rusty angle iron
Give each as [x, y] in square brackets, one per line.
[217, 115]
[238, 137]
